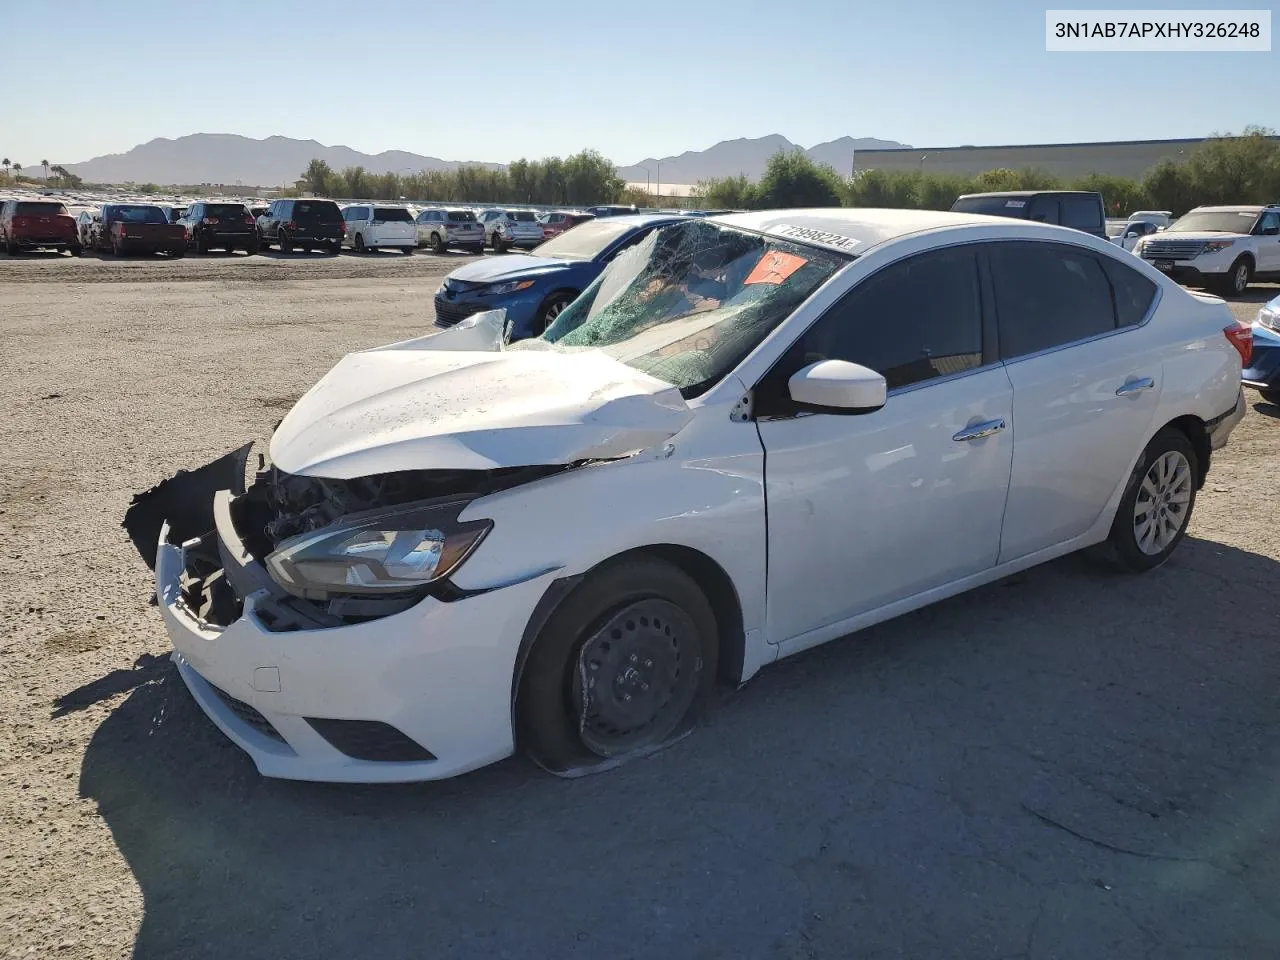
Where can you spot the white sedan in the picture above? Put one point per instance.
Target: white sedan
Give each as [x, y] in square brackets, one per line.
[750, 435]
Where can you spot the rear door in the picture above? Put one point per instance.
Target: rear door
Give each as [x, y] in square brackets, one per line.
[1086, 384]
[394, 224]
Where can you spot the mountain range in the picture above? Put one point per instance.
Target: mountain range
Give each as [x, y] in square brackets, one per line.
[746, 156]
[227, 158]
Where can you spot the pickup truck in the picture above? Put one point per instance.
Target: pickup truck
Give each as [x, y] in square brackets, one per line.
[140, 228]
[1222, 248]
[30, 224]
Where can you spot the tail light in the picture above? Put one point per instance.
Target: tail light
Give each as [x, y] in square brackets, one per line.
[249, 219]
[291, 225]
[209, 221]
[1241, 337]
[344, 227]
[124, 231]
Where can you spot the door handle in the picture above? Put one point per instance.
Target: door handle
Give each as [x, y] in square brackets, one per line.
[1130, 387]
[980, 431]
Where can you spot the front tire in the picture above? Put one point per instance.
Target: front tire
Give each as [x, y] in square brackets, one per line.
[621, 666]
[1158, 501]
[551, 309]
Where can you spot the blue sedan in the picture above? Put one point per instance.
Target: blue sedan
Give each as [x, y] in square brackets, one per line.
[1263, 371]
[534, 288]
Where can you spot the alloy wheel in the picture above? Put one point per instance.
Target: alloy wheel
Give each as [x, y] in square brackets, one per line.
[1160, 510]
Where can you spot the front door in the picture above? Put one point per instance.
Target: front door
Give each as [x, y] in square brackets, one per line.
[864, 510]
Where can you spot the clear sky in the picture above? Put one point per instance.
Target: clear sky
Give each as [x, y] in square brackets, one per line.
[549, 77]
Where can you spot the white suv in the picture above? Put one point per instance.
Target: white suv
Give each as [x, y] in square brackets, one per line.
[1223, 248]
[372, 227]
[511, 228]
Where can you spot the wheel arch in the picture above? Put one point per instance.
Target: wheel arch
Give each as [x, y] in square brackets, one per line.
[1193, 428]
[712, 579]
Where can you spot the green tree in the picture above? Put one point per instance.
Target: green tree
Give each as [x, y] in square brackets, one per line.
[1236, 169]
[6, 164]
[590, 178]
[1167, 186]
[793, 180]
[45, 164]
[17, 171]
[731, 193]
[319, 178]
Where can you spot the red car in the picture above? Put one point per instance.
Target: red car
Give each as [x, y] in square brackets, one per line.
[32, 224]
[554, 224]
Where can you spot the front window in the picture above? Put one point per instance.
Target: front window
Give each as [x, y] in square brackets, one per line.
[689, 302]
[587, 242]
[1214, 221]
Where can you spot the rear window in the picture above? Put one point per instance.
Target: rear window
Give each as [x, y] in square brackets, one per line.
[1081, 212]
[992, 206]
[139, 214]
[321, 210]
[522, 216]
[38, 208]
[224, 210]
[392, 214]
[461, 216]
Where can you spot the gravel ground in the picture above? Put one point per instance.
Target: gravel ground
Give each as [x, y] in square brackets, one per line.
[1067, 764]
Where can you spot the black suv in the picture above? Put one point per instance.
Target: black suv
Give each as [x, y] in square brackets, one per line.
[1078, 209]
[226, 225]
[305, 224]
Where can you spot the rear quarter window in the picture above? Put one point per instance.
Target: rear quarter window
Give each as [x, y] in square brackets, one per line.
[1133, 293]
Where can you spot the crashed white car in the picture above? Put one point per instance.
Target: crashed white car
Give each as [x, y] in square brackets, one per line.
[750, 435]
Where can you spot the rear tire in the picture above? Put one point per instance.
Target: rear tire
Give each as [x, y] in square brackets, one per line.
[285, 244]
[202, 244]
[407, 251]
[622, 666]
[11, 248]
[359, 244]
[76, 249]
[1237, 279]
[335, 247]
[1157, 504]
[437, 244]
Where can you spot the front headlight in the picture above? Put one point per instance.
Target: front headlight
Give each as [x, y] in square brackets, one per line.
[511, 286]
[1269, 318]
[1213, 246]
[389, 551]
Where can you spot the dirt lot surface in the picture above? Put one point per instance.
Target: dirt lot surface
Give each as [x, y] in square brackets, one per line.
[1069, 764]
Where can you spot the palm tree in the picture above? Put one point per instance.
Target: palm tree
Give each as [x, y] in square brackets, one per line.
[17, 170]
[6, 164]
[45, 164]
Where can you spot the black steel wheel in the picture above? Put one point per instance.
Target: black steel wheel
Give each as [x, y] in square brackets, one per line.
[620, 667]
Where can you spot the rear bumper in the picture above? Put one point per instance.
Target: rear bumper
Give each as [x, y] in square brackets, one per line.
[32, 242]
[1219, 429]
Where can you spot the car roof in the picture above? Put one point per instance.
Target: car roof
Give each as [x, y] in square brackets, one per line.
[1234, 208]
[848, 229]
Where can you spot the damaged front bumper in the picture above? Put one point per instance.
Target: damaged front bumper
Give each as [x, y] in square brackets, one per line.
[422, 694]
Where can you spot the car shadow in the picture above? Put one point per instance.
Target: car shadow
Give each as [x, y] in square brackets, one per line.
[966, 781]
[1267, 409]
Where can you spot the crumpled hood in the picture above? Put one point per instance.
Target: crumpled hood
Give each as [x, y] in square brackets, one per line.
[498, 268]
[452, 402]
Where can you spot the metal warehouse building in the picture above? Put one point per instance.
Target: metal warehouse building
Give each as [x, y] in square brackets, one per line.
[1128, 158]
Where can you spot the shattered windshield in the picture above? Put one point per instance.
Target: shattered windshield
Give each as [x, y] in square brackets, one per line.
[690, 301]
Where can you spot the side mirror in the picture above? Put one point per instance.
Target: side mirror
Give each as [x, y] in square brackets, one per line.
[838, 385]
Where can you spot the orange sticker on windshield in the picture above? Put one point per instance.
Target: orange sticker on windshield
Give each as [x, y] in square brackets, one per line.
[775, 267]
